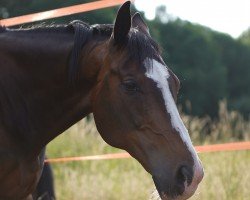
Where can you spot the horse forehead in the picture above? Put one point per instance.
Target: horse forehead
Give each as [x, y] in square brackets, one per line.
[156, 70]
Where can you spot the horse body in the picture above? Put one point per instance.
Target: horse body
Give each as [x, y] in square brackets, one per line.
[35, 99]
[52, 77]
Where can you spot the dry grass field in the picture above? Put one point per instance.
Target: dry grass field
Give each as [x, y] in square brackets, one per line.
[227, 174]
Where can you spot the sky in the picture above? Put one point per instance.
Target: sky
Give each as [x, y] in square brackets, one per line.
[228, 16]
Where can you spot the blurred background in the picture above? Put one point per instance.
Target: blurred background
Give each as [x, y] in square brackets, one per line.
[207, 44]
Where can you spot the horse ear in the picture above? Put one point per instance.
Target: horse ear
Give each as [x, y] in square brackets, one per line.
[122, 23]
[137, 22]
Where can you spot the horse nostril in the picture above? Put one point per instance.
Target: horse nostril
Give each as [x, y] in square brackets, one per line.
[184, 174]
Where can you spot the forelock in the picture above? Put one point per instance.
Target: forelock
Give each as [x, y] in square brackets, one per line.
[142, 46]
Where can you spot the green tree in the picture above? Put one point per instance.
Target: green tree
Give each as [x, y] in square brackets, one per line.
[245, 37]
[190, 51]
[236, 56]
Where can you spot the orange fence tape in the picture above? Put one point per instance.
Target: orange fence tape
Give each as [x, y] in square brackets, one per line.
[60, 12]
[200, 149]
[236, 146]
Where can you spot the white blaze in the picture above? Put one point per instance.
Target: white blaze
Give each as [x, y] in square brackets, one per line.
[159, 74]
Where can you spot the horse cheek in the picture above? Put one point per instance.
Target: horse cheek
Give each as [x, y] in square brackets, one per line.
[107, 117]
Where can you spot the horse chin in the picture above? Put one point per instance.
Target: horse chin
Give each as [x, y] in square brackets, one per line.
[184, 196]
[156, 195]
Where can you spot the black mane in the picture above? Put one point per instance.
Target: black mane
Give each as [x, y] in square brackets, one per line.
[102, 29]
[82, 33]
[139, 45]
[142, 46]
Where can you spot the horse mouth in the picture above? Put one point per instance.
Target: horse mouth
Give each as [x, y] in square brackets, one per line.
[186, 194]
[156, 196]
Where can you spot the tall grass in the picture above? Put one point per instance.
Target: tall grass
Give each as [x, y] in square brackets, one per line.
[229, 126]
[227, 174]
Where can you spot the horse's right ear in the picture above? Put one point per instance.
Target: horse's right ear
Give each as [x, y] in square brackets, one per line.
[122, 24]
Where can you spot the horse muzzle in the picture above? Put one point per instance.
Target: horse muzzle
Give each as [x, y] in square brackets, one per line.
[181, 185]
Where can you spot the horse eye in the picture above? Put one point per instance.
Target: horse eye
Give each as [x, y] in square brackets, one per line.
[130, 86]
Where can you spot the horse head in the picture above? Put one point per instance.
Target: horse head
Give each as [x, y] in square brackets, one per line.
[134, 106]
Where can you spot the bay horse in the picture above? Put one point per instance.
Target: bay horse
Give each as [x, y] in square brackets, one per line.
[51, 77]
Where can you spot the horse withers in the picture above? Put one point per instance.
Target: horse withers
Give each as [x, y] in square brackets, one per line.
[53, 76]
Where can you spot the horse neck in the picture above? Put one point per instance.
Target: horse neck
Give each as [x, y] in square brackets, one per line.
[42, 103]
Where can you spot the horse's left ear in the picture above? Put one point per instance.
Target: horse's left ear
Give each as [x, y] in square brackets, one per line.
[122, 23]
[137, 22]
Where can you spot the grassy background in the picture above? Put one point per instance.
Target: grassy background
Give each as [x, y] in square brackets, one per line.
[227, 174]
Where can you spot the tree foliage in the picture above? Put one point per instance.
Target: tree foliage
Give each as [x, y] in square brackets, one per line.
[245, 37]
[211, 65]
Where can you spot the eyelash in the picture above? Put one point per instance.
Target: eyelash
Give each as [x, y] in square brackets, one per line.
[130, 86]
